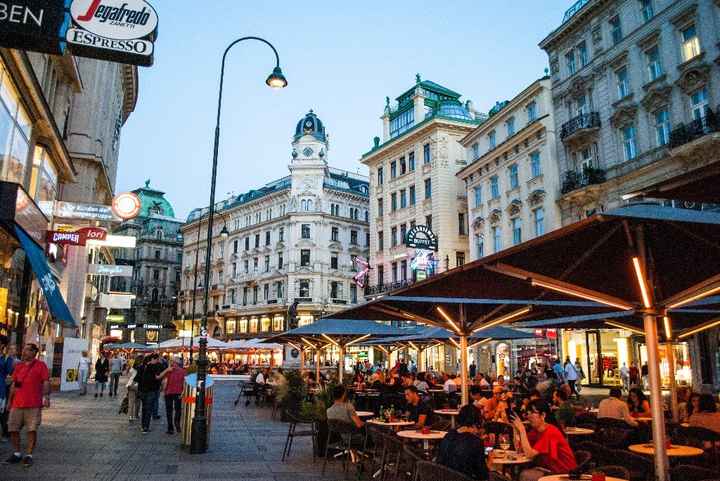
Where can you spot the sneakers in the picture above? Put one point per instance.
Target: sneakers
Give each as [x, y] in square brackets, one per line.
[169, 431]
[13, 459]
[145, 431]
[27, 461]
[95, 395]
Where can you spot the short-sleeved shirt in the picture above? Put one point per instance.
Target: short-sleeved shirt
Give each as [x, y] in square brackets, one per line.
[31, 376]
[341, 412]
[116, 365]
[419, 410]
[555, 452]
[175, 381]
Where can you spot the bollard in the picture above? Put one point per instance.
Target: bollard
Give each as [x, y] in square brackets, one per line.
[188, 405]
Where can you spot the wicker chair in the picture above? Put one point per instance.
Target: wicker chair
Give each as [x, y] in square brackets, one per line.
[375, 449]
[341, 436]
[702, 438]
[427, 471]
[294, 432]
[409, 462]
[612, 436]
[600, 454]
[496, 476]
[688, 472]
[640, 467]
[614, 471]
[393, 456]
[582, 458]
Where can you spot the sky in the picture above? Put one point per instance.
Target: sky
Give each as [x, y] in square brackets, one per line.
[341, 59]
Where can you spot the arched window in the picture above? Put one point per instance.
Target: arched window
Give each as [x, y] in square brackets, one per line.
[154, 295]
[309, 205]
[303, 205]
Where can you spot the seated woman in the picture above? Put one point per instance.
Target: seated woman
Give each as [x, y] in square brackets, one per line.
[545, 443]
[565, 412]
[706, 416]
[462, 449]
[638, 404]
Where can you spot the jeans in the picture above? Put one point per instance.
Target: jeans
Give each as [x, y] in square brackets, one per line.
[149, 400]
[99, 387]
[114, 381]
[3, 417]
[82, 380]
[173, 410]
[156, 406]
[133, 402]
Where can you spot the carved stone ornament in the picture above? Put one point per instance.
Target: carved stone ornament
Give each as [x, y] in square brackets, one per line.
[514, 208]
[624, 114]
[495, 216]
[536, 197]
[694, 78]
[577, 88]
[597, 34]
[657, 98]
[478, 223]
[554, 66]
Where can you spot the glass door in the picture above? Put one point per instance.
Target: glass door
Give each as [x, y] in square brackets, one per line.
[594, 359]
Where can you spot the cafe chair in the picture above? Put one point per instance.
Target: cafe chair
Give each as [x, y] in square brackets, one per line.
[582, 458]
[393, 454]
[614, 471]
[640, 467]
[341, 437]
[497, 476]
[375, 449]
[428, 471]
[309, 429]
[612, 436]
[410, 459]
[703, 438]
[689, 472]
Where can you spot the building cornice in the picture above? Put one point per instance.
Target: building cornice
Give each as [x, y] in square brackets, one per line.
[587, 12]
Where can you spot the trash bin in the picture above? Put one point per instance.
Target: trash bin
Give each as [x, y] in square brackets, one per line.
[188, 405]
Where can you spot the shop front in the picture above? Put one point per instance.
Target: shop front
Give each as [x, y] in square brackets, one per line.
[683, 367]
[601, 352]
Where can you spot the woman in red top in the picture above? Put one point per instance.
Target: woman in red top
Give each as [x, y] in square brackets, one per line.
[174, 383]
[545, 444]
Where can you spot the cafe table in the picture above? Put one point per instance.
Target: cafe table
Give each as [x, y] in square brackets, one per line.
[364, 414]
[674, 451]
[643, 419]
[448, 412]
[573, 431]
[565, 477]
[508, 460]
[391, 424]
[418, 435]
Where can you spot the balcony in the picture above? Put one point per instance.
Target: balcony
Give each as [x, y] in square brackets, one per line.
[686, 133]
[304, 300]
[380, 288]
[335, 300]
[580, 126]
[574, 180]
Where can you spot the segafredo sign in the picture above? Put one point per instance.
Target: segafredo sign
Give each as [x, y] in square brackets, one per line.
[118, 30]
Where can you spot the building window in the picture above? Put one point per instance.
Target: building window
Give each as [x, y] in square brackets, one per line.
[235, 246]
[428, 188]
[305, 231]
[647, 10]
[393, 169]
[267, 263]
[411, 161]
[305, 288]
[403, 271]
[280, 260]
[662, 127]
[353, 237]
[279, 291]
[334, 260]
[690, 42]
[494, 187]
[629, 145]
[412, 194]
[247, 243]
[532, 111]
[255, 264]
[256, 290]
[477, 190]
[403, 233]
[492, 141]
[623, 86]
[402, 122]
[535, 166]
[462, 226]
[479, 246]
[336, 290]
[232, 296]
[426, 154]
[393, 202]
[380, 176]
[394, 270]
[381, 240]
[234, 269]
[616, 29]
[247, 266]
[513, 176]
[157, 254]
[393, 237]
[257, 241]
[654, 66]
[459, 259]
[510, 126]
[428, 221]
[403, 165]
[539, 221]
[582, 54]
[353, 263]
[699, 105]
[570, 62]
[267, 238]
[281, 234]
[475, 151]
[517, 230]
[403, 198]
[497, 238]
[305, 257]
[380, 207]
[156, 274]
[266, 292]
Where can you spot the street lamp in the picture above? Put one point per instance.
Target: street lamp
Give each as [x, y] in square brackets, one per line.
[224, 232]
[198, 439]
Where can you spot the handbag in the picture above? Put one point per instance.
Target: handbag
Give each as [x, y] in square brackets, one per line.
[124, 406]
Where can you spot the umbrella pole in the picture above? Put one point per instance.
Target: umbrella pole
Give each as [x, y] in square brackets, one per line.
[302, 361]
[341, 363]
[317, 366]
[464, 368]
[674, 408]
[656, 402]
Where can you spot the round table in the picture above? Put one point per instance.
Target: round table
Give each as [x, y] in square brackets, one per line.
[572, 431]
[643, 419]
[675, 450]
[448, 412]
[391, 424]
[364, 414]
[685, 425]
[564, 477]
[425, 438]
[500, 456]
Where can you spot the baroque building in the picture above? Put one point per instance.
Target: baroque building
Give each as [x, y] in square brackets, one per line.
[292, 240]
[413, 183]
[512, 177]
[155, 262]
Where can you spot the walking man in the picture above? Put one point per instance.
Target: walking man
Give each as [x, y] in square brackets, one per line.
[571, 375]
[149, 387]
[174, 383]
[116, 368]
[29, 393]
[625, 377]
[84, 372]
[6, 369]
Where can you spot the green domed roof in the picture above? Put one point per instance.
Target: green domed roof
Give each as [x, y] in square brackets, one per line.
[153, 202]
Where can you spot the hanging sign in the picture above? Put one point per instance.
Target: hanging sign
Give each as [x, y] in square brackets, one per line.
[116, 30]
[37, 25]
[421, 237]
[76, 238]
[126, 206]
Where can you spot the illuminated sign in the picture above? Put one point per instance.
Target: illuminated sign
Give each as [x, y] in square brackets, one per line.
[76, 238]
[421, 237]
[116, 300]
[81, 211]
[37, 25]
[110, 270]
[125, 241]
[126, 206]
[115, 319]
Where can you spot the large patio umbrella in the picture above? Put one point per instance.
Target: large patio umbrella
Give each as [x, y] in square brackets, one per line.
[339, 333]
[180, 343]
[642, 258]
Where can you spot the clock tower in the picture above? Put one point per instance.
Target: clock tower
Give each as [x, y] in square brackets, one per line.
[309, 159]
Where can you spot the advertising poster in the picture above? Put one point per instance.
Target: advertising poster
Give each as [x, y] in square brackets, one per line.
[72, 350]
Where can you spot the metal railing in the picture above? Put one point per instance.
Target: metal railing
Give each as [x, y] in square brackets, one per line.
[380, 288]
[685, 133]
[573, 180]
[583, 121]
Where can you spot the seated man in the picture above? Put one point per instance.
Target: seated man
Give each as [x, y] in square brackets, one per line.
[564, 412]
[545, 444]
[343, 411]
[418, 411]
[614, 407]
[450, 385]
[463, 449]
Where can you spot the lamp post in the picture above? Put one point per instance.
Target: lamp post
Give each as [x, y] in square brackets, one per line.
[198, 440]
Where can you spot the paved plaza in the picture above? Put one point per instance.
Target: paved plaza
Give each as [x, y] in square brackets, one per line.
[83, 438]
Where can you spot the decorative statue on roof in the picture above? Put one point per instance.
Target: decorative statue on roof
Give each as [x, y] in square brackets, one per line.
[417, 78]
[292, 322]
[147, 184]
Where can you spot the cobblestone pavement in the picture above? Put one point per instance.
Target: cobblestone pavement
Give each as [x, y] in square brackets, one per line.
[83, 438]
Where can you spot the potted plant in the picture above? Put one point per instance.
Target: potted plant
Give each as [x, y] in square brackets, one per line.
[317, 411]
[291, 398]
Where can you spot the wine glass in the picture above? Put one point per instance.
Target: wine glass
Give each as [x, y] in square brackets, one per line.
[504, 442]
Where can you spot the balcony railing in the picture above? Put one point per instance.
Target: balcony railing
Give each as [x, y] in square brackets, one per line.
[575, 180]
[380, 288]
[686, 133]
[576, 124]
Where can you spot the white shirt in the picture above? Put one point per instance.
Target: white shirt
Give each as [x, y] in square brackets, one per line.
[624, 371]
[84, 364]
[617, 409]
[483, 382]
[570, 372]
[260, 379]
[449, 386]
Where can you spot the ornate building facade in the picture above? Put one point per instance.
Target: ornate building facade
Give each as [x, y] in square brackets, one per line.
[292, 240]
[512, 180]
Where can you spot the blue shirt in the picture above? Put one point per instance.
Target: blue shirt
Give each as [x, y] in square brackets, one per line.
[6, 368]
[559, 372]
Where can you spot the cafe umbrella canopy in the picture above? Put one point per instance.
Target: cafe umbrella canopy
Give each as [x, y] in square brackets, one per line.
[339, 333]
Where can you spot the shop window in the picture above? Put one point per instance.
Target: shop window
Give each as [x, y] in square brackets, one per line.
[15, 131]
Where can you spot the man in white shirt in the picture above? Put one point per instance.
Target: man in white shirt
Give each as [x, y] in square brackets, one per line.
[450, 385]
[84, 372]
[614, 407]
[625, 377]
[571, 376]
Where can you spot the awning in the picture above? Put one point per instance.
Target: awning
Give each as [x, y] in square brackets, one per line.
[45, 278]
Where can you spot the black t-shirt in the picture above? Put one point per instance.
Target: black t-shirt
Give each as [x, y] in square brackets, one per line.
[464, 452]
[419, 410]
[147, 378]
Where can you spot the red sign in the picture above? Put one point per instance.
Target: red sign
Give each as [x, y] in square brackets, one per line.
[76, 238]
[93, 233]
[551, 333]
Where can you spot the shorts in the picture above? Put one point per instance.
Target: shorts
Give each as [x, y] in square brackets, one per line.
[28, 417]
